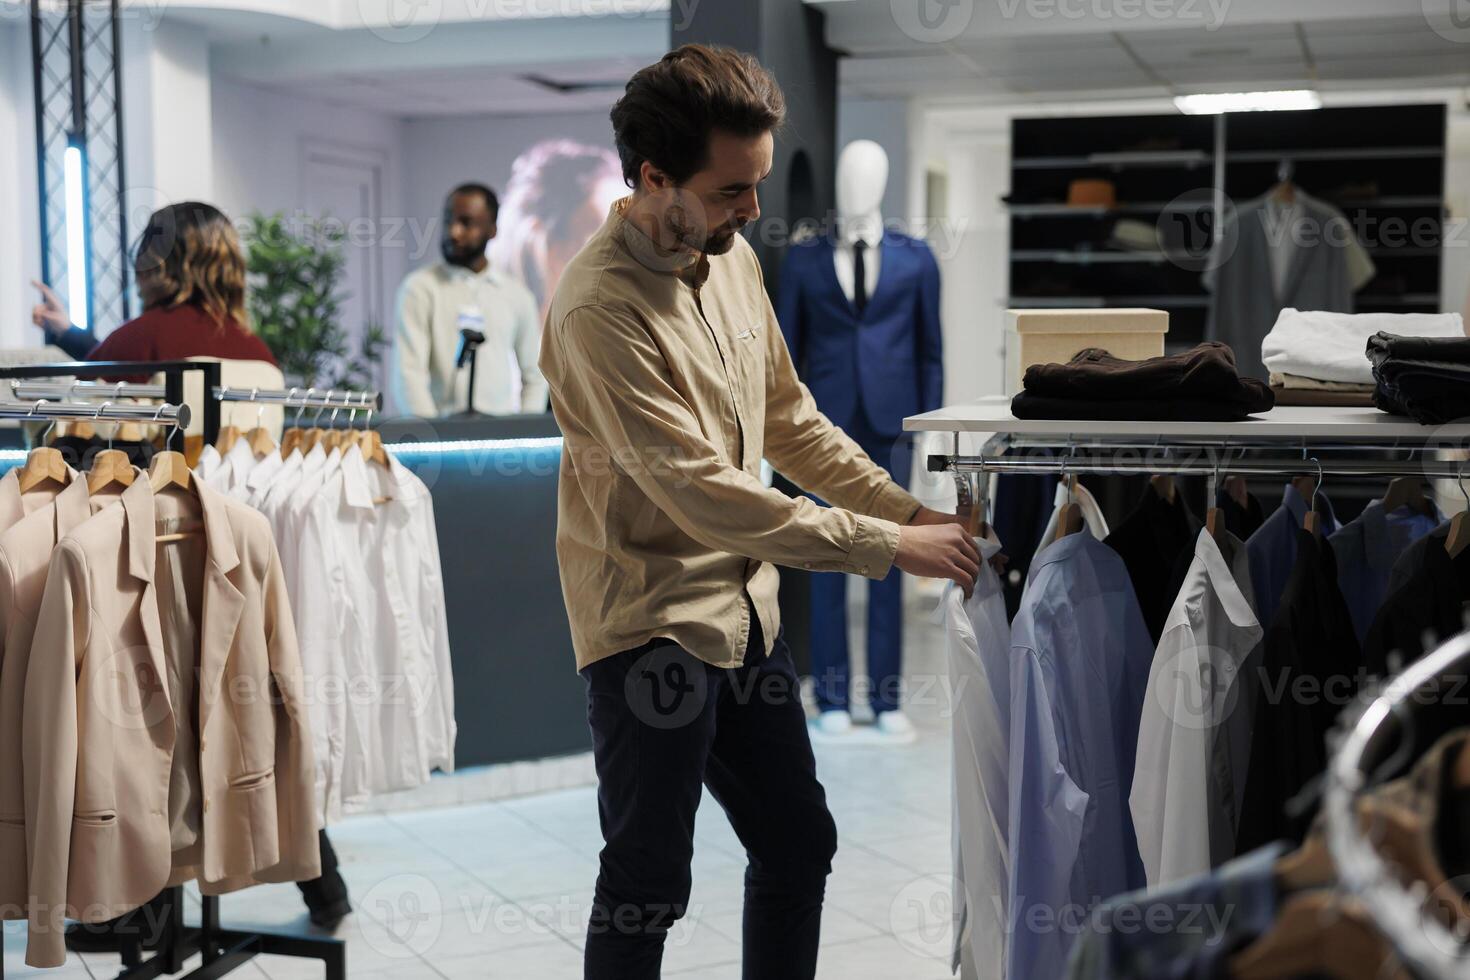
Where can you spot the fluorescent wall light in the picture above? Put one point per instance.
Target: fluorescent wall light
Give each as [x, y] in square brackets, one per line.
[1204, 105]
[74, 171]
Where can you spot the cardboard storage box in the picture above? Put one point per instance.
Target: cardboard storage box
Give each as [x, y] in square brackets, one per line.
[1053, 336]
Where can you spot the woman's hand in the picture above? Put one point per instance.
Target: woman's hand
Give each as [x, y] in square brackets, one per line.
[50, 314]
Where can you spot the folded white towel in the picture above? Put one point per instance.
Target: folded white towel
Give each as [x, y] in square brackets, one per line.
[1333, 346]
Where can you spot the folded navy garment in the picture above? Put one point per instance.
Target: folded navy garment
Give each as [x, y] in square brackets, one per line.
[1424, 378]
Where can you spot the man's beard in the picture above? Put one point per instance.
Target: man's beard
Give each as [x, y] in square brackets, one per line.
[459, 256]
[690, 236]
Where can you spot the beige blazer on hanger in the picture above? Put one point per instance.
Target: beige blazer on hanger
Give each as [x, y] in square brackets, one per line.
[25, 553]
[98, 730]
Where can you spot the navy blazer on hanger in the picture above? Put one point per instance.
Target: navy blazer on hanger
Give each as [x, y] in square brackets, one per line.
[888, 362]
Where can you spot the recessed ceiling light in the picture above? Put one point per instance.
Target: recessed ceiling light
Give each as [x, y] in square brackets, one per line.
[1203, 105]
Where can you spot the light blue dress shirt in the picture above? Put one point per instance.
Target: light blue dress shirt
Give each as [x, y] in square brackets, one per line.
[1366, 550]
[1080, 657]
[1272, 549]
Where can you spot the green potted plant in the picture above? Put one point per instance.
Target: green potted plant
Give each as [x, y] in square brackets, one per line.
[295, 269]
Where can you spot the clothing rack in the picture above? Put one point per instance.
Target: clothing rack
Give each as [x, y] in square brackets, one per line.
[291, 398]
[223, 950]
[1421, 940]
[1291, 440]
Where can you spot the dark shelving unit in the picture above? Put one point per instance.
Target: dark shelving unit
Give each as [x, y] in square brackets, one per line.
[1382, 165]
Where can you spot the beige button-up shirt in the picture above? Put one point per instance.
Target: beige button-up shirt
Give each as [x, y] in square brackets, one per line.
[670, 385]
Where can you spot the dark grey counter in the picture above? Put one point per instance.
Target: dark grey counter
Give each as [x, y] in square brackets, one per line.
[516, 691]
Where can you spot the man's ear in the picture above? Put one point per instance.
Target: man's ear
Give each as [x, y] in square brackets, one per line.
[652, 178]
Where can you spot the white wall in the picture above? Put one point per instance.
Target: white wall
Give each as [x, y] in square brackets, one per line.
[262, 141]
[20, 259]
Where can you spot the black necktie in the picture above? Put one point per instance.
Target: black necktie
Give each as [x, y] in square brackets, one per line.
[859, 277]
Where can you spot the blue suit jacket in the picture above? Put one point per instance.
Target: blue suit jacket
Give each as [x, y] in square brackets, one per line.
[888, 364]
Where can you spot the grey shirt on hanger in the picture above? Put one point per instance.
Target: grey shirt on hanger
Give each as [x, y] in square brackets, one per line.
[1325, 266]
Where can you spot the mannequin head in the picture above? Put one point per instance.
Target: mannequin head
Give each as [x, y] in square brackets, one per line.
[862, 176]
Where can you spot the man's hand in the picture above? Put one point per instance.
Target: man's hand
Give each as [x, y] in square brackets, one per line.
[50, 314]
[925, 516]
[939, 551]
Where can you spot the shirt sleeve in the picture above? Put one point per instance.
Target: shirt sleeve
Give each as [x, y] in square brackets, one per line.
[75, 342]
[528, 354]
[614, 382]
[1169, 798]
[296, 811]
[412, 347]
[816, 455]
[1047, 810]
[49, 746]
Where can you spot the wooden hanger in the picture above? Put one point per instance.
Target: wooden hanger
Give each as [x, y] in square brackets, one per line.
[1310, 523]
[169, 469]
[81, 429]
[1215, 522]
[42, 464]
[110, 466]
[228, 436]
[373, 451]
[1405, 491]
[1238, 490]
[1317, 934]
[1163, 485]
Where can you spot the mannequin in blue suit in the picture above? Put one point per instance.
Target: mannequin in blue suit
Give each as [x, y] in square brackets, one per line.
[860, 311]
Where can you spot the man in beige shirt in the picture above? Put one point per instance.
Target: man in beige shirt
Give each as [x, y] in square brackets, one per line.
[670, 380]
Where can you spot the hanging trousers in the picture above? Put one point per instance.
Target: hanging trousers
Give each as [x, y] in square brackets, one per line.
[831, 664]
[664, 724]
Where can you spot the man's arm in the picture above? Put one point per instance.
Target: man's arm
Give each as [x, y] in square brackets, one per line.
[528, 354]
[613, 378]
[412, 347]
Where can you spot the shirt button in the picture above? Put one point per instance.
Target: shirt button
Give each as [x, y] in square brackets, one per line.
[864, 570]
[808, 565]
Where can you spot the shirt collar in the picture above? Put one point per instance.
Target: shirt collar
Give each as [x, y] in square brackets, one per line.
[689, 267]
[851, 231]
[138, 509]
[72, 505]
[355, 488]
[487, 274]
[1222, 579]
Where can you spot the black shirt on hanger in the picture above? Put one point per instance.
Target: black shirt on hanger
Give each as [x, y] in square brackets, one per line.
[1150, 540]
[1431, 599]
[1307, 674]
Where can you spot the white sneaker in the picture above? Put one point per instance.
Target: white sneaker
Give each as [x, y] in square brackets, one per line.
[895, 728]
[835, 722]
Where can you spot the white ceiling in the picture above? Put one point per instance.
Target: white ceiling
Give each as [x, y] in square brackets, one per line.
[497, 90]
[1007, 52]
[1057, 62]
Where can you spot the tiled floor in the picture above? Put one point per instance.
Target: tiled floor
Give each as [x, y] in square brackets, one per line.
[501, 889]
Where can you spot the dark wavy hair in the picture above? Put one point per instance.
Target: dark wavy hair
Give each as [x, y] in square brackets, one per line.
[190, 253]
[668, 109]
